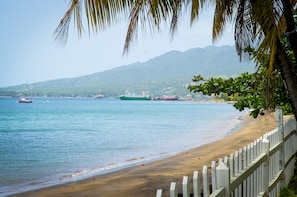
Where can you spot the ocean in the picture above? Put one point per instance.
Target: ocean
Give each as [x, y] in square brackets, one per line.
[57, 140]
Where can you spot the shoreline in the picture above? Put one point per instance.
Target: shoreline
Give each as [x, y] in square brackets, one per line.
[144, 179]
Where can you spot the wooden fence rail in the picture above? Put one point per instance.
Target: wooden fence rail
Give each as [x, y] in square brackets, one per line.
[260, 168]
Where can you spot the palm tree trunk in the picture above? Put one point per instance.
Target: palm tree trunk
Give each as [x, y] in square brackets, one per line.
[288, 75]
[291, 27]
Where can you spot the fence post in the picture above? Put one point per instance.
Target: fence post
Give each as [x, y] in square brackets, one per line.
[173, 190]
[223, 178]
[186, 191]
[196, 184]
[280, 127]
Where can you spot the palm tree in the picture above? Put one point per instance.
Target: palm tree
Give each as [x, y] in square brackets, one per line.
[261, 25]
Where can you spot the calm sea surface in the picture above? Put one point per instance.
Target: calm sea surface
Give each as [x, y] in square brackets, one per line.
[56, 140]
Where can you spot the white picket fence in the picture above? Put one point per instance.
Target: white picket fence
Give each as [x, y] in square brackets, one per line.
[261, 168]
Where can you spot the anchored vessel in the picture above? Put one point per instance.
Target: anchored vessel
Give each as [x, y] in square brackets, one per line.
[135, 97]
[24, 100]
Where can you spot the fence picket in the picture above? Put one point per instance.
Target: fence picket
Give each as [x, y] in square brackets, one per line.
[240, 168]
[186, 189]
[265, 150]
[159, 193]
[213, 176]
[173, 190]
[220, 160]
[226, 161]
[252, 175]
[231, 164]
[196, 184]
[248, 182]
[236, 171]
[205, 181]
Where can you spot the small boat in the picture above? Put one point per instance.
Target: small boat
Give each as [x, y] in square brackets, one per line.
[24, 100]
[167, 98]
[99, 96]
[135, 97]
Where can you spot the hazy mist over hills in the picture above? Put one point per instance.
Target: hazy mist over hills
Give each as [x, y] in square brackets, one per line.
[169, 73]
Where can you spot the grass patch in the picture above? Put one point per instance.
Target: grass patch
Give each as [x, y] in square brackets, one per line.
[291, 190]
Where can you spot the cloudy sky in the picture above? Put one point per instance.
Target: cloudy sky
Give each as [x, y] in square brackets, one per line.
[30, 54]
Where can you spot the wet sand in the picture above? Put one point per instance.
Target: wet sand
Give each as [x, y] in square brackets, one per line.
[144, 180]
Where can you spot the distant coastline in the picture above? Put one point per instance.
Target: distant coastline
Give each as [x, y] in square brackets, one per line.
[173, 72]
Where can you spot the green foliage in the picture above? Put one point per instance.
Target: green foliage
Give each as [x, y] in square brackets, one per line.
[264, 89]
[255, 91]
[291, 189]
[286, 192]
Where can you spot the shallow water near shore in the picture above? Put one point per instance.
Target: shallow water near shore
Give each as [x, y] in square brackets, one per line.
[56, 140]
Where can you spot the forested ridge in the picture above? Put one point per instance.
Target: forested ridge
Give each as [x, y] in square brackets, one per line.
[170, 73]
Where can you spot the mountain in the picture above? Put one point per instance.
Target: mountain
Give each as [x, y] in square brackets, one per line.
[164, 74]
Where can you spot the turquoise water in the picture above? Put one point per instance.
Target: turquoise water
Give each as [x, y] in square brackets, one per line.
[56, 140]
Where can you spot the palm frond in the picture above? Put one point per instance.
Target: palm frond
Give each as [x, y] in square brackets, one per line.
[99, 13]
[150, 13]
[176, 11]
[63, 27]
[133, 24]
[197, 6]
[258, 25]
[223, 15]
[245, 28]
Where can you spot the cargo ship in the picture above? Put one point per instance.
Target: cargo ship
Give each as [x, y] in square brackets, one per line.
[135, 97]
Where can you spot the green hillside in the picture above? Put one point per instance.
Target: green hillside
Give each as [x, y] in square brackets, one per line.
[169, 73]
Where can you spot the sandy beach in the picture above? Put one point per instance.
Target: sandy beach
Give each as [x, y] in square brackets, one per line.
[144, 180]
